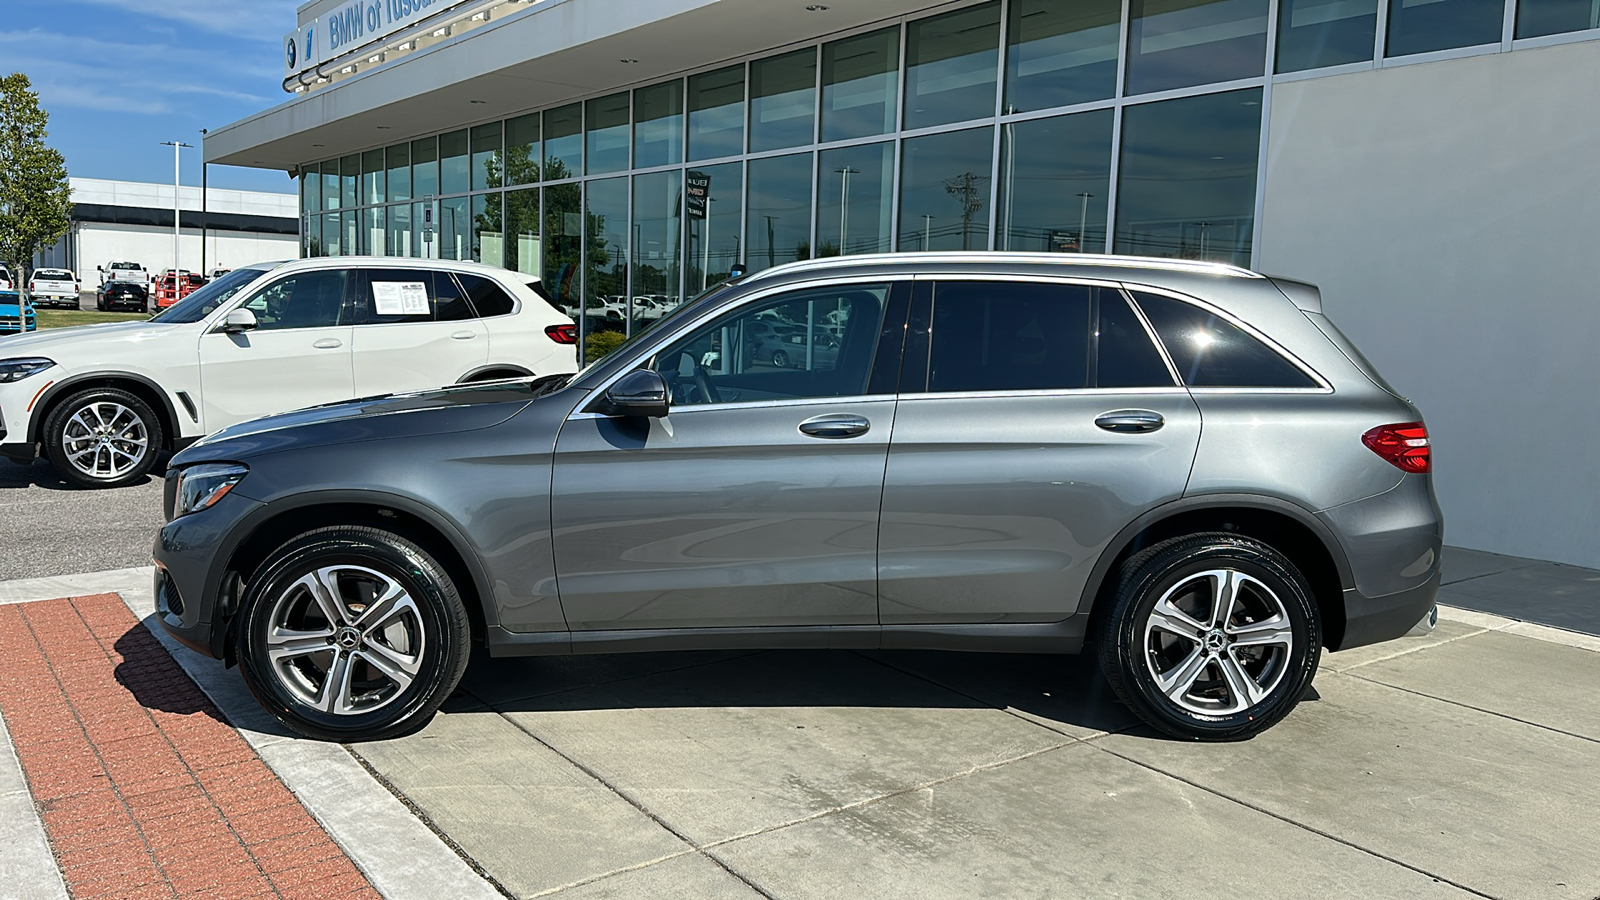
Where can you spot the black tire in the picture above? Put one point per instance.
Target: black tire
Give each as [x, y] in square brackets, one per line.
[60, 430]
[1273, 597]
[440, 624]
[780, 359]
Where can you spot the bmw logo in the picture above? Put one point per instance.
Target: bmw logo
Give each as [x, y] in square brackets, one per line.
[290, 50]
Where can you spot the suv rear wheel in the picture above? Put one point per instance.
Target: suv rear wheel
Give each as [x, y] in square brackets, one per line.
[1211, 637]
[102, 437]
[352, 633]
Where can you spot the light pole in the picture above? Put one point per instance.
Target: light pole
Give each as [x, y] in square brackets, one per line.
[927, 230]
[1083, 222]
[845, 172]
[772, 252]
[205, 215]
[176, 222]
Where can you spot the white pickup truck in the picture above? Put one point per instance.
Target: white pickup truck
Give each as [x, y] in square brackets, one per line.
[53, 287]
[127, 272]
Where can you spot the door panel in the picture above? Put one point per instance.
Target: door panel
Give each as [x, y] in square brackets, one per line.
[297, 356]
[996, 508]
[721, 516]
[395, 352]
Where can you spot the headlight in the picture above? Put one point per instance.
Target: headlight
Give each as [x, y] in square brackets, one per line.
[18, 369]
[201, 486]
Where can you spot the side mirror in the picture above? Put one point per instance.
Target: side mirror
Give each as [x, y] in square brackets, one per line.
[239, 321]
[640, 393]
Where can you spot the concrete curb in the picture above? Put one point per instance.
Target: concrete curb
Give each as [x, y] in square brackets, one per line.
[28, 869]
[400, 855]
[1547, 633]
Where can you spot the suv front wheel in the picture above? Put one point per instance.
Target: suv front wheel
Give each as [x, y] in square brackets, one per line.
[352, 633]
[102, 437]
[1211, 637]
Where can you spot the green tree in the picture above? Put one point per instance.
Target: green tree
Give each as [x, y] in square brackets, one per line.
[35, 198]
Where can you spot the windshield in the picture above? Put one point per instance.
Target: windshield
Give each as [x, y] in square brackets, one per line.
[200, 304]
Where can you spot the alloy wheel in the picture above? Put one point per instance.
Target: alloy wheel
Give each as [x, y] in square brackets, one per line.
[1218, 642]
[345, 640]
[105, 440]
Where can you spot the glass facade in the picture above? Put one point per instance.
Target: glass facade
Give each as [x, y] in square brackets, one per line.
[1024, 125]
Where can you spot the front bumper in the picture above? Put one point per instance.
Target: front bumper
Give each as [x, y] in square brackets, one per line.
[191, 556]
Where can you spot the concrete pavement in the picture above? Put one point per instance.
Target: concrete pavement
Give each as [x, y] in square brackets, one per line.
[1461, 763]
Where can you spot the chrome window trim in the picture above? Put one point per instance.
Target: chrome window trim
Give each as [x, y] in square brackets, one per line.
[1150, 333]
[753, 404]
[1324, 386]
[648, 352]
[1046, 392]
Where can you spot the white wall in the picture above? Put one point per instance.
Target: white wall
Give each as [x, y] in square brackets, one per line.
[99, 244]
[1450, 212]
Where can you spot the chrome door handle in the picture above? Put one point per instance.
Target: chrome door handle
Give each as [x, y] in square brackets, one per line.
[464, 335]
[835, 425]
[1130, 421]
[328, 344]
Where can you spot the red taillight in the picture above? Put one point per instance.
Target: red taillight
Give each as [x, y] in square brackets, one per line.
[1405, 446]
[563, 334]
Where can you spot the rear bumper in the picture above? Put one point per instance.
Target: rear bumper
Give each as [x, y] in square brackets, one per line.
[1373, 620]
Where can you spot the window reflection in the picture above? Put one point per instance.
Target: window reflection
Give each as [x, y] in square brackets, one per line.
[1057, 181]
[349, 181]
[855, 187]
[607, 135]
[606, 256]
[1536, 18]
[399, 179]
[1187, 179]
[716, 113]
[454, 174]
[488, 230]
[372, 232]
[522, 230]
[783, 99]
[1061, 53]
[779, 221]
[657, 234]
[486, 164]
[859, 90]
[398, 239]
[1422, 26]
[425, 167]
[330, 184]
[1181, 43]
[522, 150]
[560, 271]
[944, 191]
[658, 125]
[563, 142]
[372, 173]
[711, 200]
[950, 66]
[455, 229]
[1317, 33]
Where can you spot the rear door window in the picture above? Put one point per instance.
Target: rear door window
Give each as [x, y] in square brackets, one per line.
[401, 296]
[1210, 351]
[1127, 358]
[1009, 336]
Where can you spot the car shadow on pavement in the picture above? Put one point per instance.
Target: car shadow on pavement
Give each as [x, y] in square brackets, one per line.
[41, 474]
[152, 676]
[1065, 690]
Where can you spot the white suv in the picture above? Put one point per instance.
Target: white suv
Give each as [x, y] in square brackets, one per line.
[105, 400]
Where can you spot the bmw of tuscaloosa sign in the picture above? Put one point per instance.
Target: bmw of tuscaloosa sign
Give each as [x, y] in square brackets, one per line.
[352, 25]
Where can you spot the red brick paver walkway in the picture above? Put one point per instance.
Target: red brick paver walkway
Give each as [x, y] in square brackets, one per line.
[143, 789]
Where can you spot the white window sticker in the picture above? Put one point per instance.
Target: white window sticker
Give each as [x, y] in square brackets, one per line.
[399, 298]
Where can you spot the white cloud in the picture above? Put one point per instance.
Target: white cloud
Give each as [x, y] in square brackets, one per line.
[262, 20]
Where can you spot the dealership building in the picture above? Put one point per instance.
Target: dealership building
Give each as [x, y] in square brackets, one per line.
[1429, 163]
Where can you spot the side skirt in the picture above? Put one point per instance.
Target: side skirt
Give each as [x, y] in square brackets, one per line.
[1054, 637]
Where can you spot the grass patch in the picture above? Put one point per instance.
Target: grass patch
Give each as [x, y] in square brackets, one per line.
[62, 318]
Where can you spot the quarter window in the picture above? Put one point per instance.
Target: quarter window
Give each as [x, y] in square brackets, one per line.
[998, 336]
[303, 300]
[1210, 351]
[487, 298]
[817, 342]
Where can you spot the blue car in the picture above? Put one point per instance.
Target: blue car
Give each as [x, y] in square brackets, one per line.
[16, 314]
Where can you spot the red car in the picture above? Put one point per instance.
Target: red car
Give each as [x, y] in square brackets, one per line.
[171, 286]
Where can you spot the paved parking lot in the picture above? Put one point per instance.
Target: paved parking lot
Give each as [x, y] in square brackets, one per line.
[48, 527]
[1462, 763]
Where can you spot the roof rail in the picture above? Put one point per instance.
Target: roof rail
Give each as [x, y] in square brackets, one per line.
[989, 256]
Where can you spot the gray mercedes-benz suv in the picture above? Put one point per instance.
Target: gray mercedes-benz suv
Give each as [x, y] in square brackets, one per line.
[1184, 465]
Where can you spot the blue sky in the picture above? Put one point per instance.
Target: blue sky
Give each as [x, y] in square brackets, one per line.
[120, 76]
